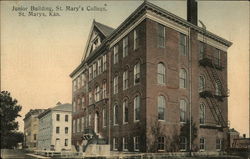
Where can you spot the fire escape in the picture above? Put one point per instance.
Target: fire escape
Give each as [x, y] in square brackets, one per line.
[214, 95]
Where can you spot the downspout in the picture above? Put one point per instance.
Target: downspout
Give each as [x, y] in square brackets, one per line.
[190, 91]
[109, 97]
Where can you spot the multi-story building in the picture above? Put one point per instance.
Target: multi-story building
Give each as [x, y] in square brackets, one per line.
[138, 85]
[31, 126]
[55, 128]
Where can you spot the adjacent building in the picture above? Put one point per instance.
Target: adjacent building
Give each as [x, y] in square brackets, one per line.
[55, 128]
[31, 126]
[139, 85]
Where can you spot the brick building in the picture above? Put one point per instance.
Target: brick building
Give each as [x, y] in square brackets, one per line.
[137, 85]
[31, 127]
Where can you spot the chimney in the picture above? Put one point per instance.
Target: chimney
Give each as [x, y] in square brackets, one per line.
[192, 11]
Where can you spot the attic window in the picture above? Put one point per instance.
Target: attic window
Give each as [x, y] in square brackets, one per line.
[96, 42]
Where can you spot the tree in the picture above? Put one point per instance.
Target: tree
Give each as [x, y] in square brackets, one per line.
[9, 111]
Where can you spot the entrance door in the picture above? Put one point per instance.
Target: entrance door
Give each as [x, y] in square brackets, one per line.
[96, 128]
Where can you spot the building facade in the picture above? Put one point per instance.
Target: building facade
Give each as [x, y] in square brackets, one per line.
[142, 85]
[55, 128]
[31, 126]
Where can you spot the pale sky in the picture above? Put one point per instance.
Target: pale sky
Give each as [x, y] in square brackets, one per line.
[39, 53]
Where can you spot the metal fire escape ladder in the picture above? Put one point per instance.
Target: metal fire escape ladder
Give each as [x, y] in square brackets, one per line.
[211, 100]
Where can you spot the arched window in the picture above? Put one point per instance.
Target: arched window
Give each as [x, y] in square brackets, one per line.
[201, 83]
[137, 73]
[125, 111]
[183, 110]
[137, 108]
[217, 89]
[202, 113]
[161, 104]
[183, 78]
[115, 118]
[161, 73]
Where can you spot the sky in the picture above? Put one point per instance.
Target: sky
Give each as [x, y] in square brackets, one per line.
[39, 53]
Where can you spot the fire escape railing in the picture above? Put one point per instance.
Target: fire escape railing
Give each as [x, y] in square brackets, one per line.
[218, 91]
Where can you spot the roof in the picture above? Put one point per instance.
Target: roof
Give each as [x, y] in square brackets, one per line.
[233, 130]
[59, 107]
[33, 112]
[112, 33]
[106, 30]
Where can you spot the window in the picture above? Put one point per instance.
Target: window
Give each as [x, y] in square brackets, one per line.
[74, 85]
[125, 111]
[78, 125]
[104, 120]
[182, 44]
[79, 79]
[136, 143]
[201, 50]
[137, 73]
[160, 73]
[90, 98]
[83, 124]
[161, 143]
[94, 70]
[161, 104]
[116, 54]
[66, 118]
[66, 130]
[34, 136]
[125, 47]
[104, 90]
[217, 58]
[125, 80]
[89, 119]
[83, 101]
[218, 144]
[125, 143]
[78, 104]
[202, 113]
[217, 89]
[201, 84]
[57, 130]
[100, 66]
[202, 144]
[115, 143]
[90, 72]
[183, 143]
[66, 142]
[183, 78]
[97, 93]
[161, 36]
[115, 118]
[116, 84]
[136, 39]
[83, 80]
[104, 60]
[183, 110]
[74, 126]
[137, 108]
[57, 117]
[74, 106]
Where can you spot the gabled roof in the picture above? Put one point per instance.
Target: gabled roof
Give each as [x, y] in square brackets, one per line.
[103, 30]
[106, 30]
[59, 107]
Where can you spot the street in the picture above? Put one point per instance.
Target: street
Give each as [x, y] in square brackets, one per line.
[13, 154]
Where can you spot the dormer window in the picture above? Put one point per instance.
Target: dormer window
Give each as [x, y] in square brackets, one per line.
[96, 42]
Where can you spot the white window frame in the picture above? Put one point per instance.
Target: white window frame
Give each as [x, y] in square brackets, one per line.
[183, 45]
[136, 39]
[104, 90]
[137, 106]
[74, 106]
[116, 55]
[183, 78]
[115, 143]
[99, 63]
[74, 126]
[218, 144]
[158, 143]
[202, 114]
[137, 73]
[185, 143]
[161, 73]
[183, 110]
[94, 70]
[104, 116]
[125, 105]
[161, 104]
[125, 80]
[202, 83]
[136, 143]
[90, 73]
[115, 85]
[204, 144]
[160, 36]
[83, 123]
[125, 46]
[125, 143]
[104, 60]
[201, 50]
[115, 115]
